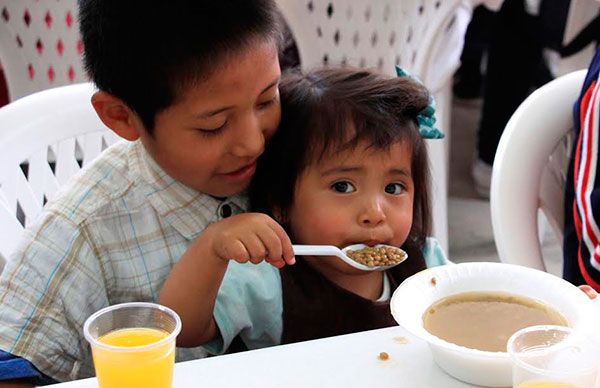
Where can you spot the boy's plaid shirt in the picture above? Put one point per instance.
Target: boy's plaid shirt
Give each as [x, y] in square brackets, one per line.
[111, 236]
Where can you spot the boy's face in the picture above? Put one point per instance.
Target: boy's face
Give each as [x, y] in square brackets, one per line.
[210, 138]
[358, 196]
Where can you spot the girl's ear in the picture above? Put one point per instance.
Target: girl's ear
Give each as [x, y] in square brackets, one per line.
[116, 115]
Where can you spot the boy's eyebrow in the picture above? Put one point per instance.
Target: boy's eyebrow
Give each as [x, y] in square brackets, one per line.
[275, 82]
[219, 110]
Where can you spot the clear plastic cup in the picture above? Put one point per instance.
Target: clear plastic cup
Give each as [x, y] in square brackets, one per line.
[552, 356]
[133, 345]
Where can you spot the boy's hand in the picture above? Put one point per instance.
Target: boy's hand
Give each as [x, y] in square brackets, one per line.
[197, 276]
[252, 237]
[589, 291]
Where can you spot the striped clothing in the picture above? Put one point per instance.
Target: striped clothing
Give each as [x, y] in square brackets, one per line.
[111, 236]
[581, 244]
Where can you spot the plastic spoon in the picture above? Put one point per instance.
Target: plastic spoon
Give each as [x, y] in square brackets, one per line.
[330, 250]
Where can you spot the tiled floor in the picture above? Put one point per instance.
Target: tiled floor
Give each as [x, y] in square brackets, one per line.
[470, 229]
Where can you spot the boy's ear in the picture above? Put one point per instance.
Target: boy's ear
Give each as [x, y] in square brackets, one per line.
[116, 115]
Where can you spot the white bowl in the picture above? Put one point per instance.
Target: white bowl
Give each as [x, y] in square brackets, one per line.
[492, 369]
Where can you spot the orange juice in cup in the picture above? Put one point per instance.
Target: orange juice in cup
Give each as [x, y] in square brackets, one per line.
[133, 345]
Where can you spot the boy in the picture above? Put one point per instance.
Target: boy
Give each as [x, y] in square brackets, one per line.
[581, 246]
[193, 86]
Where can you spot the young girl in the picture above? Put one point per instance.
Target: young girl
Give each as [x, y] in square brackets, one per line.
[348, 165]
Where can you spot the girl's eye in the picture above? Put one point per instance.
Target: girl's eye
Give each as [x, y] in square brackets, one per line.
[212, 131]
[394, 188]
[343, 187]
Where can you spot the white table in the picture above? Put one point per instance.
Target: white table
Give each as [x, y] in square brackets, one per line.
[344, 361]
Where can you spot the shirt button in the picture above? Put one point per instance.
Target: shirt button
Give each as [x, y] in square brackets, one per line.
[225, 211]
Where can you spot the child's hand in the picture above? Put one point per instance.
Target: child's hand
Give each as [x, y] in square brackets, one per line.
[252, 237]
[589, 291]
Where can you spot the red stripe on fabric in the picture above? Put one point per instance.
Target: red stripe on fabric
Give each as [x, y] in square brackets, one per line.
[580, 262]
[588, 98]
[577, 222]
[585, 99]
[586, 276]
[584, 103]
[586, 173]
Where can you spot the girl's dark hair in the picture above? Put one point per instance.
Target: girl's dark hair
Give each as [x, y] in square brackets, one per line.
[147, 52]
[329, 110]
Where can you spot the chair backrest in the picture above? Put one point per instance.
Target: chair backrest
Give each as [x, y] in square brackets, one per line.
[378, 34]
[530, 170]
[46, 138]
[40, 46]
[425, 37]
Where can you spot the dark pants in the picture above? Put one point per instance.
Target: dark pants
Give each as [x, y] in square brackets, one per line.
[469, 78]
[515, 64]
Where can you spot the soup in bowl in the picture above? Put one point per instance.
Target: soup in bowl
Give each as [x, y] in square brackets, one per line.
[495, 299]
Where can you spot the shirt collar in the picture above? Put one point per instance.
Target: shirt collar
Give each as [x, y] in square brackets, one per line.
[185, 209]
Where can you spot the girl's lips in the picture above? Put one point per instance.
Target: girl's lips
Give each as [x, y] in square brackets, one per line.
[242, 173]
[371, 243]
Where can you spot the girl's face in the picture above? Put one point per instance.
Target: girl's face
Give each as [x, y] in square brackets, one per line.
[358, 196]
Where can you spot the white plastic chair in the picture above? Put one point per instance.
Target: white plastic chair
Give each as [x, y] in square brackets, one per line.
[46, 138]
[530, 170]
[40, 46]
[423, 36]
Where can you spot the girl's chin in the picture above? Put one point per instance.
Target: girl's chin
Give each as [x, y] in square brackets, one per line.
[338, 267]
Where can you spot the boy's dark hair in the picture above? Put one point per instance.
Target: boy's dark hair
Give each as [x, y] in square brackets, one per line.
[148, 52]
[318, 109]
